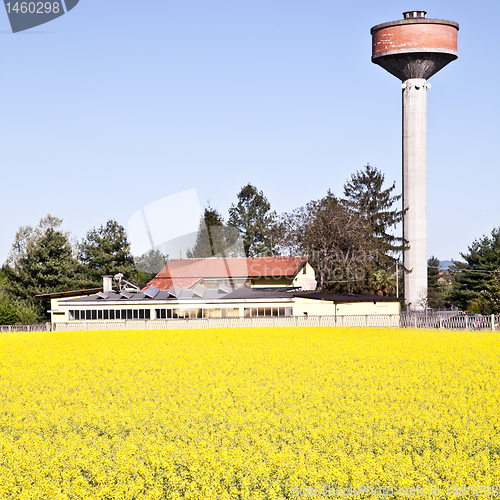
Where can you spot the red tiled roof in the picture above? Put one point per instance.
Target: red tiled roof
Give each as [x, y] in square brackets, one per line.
[187, 272]
[166, 283]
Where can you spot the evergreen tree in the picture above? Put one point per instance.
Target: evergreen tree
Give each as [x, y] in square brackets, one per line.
[28, 235]
[106, 251]
[365, 193]
[148, 265]
[151, 262]
[252, 216]
[8, 313]
[47, 267]
[474, 277]
[210, 240]
[492, 295]
[435, 291]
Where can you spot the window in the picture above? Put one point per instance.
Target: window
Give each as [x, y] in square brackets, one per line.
[259, 312]
[106, 314]
[162, 313]
[251, 312]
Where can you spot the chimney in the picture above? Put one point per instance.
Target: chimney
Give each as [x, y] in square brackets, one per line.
[107, 284]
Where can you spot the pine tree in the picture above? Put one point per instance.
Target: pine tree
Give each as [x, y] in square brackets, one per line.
[474, 276]
[492, 295]
[148, 265]
[151, 263]
[365, 193]
[210, 238]
[435, 291]
[28, 235]
[8, 313]
[48, 266]
[106, 251]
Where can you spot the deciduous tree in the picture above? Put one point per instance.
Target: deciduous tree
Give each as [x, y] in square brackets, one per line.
[334, 238]
[252, 216]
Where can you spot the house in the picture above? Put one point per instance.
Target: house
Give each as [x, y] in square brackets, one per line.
[158, 306]
[272, 287]
[236, 273]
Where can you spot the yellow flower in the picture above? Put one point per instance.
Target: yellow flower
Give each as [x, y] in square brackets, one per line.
[249, 413]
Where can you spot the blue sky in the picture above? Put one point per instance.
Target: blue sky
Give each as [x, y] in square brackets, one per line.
[120, 103]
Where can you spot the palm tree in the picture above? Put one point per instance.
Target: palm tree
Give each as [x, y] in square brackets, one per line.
[383, 282]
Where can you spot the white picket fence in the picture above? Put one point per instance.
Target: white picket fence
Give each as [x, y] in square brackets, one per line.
[38, 327]
[275, 321]
[458, 321]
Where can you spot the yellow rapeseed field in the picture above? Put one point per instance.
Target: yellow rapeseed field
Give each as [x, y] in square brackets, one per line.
[250, 413]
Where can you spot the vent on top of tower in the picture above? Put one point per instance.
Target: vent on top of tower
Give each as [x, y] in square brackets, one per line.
[411, 14]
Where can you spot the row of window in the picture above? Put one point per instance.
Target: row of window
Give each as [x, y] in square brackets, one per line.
[209, 312]
[260, 312]
[105, 314]
[176, 313]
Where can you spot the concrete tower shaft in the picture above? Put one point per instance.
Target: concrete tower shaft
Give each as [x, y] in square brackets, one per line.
[413, 49]
[415, 188]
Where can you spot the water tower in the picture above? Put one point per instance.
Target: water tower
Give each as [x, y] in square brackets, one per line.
[413, 49]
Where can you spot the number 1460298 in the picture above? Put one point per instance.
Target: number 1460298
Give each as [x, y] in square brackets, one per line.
[33, 7]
